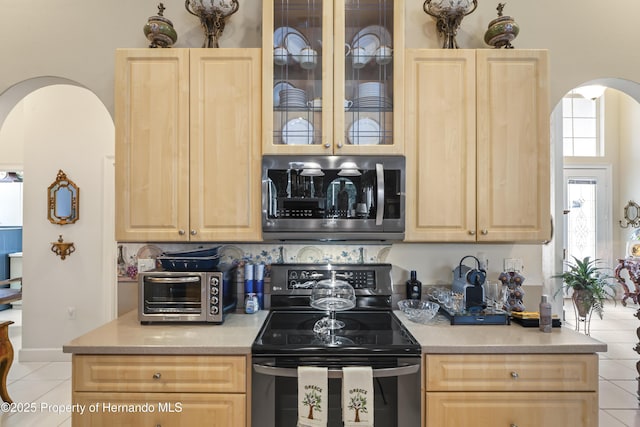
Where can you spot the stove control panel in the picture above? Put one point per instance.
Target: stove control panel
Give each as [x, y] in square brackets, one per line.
[303, 279]
[296, 280]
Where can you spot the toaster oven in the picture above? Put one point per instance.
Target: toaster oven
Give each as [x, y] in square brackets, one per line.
[170, 296]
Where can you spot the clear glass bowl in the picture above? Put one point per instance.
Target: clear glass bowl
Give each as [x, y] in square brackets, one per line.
[333, 295]
[419, 311]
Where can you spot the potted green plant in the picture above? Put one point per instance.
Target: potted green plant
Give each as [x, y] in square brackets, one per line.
[591, 286]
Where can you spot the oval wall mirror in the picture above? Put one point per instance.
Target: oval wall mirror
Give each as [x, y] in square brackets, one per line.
[63, 200]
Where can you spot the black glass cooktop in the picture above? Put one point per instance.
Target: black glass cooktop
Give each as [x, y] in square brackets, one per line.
[364, 333]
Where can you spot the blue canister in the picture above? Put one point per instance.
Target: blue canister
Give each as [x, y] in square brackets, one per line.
[259, 285]
[248, 278]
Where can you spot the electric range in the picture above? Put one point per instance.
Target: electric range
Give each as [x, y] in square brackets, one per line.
[295, 334]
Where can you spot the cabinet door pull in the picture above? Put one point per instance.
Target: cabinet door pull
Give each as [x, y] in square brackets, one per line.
[485, 232]
[340, 144]
[514, 375]
[157, 376]
[513, 425]
[472, 232]
[181, 232]
[194, 232]
[327, 145]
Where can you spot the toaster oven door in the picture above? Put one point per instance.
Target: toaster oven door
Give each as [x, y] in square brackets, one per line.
[172, 297]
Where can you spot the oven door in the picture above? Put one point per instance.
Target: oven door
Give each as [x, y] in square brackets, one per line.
[396, 383]
[166, 297]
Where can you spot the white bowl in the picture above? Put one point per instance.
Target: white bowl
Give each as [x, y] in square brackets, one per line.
[419, 311]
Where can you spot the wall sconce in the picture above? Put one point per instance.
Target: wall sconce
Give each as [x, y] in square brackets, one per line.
[61, 248]
[631, 215]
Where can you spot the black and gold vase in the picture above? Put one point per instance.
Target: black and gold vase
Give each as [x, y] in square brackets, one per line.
[502, 30]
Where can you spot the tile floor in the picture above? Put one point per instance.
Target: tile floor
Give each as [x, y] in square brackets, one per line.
[50, 384]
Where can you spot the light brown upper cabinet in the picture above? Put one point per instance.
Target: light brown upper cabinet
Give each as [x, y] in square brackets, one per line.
[333, 77]
[477, 145]
[188, 126]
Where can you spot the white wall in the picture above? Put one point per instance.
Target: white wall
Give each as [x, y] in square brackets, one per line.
[68, 128]
[11, 202]
[628, 173]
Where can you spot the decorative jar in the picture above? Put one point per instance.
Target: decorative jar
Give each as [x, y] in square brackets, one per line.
[159, 30]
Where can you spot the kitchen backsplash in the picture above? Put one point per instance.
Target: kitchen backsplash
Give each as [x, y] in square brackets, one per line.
[268, 253]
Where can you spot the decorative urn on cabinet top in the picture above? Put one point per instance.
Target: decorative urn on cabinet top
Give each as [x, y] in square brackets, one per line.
[213, 16]
[502, 30]
[159, 30]
[448, 15]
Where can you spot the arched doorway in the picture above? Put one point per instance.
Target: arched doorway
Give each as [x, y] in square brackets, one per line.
[614, 168]
[62, 125]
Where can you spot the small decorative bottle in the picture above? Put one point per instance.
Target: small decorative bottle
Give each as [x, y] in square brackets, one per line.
[545, 314]
[414, 287]
[122, 266]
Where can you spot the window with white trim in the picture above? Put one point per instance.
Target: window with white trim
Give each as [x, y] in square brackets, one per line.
[581, 118]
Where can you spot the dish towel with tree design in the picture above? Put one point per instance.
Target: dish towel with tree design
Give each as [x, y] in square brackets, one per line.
[312, 396]
[357, 396]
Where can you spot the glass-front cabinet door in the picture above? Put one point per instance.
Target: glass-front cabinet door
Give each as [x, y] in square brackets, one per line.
[332, 74]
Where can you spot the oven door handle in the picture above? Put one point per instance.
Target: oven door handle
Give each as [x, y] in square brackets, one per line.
[337, 373]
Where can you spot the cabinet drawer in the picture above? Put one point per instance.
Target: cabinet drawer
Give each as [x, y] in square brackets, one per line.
[512, 409]
[512, 372]
[195, 374]
[159, 409]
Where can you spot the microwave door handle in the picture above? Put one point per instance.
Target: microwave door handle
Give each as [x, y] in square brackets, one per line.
[380, 204]
[192, 279]
[265, 199]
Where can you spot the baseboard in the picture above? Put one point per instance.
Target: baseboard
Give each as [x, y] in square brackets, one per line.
[43, 355]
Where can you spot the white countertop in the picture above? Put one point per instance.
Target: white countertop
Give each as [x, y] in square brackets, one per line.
[125, 335]
[484, 339]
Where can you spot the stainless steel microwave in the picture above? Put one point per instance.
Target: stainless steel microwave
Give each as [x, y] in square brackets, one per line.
[171, 296]
[333, 197]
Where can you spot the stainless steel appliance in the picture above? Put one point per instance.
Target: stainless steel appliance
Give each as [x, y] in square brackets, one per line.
[333, 197]
[368, 335]
[170, 296]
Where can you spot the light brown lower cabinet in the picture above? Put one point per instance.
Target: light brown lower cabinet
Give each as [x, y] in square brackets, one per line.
[514, 390]
[136, 390]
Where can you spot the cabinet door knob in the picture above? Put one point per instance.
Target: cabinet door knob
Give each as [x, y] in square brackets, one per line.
[472, 232]
[194, 232]
[340, 144]
[327, 145]
[157, 376]
[514, 375]
[513, 425]
[181, 232]
[485, 232]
